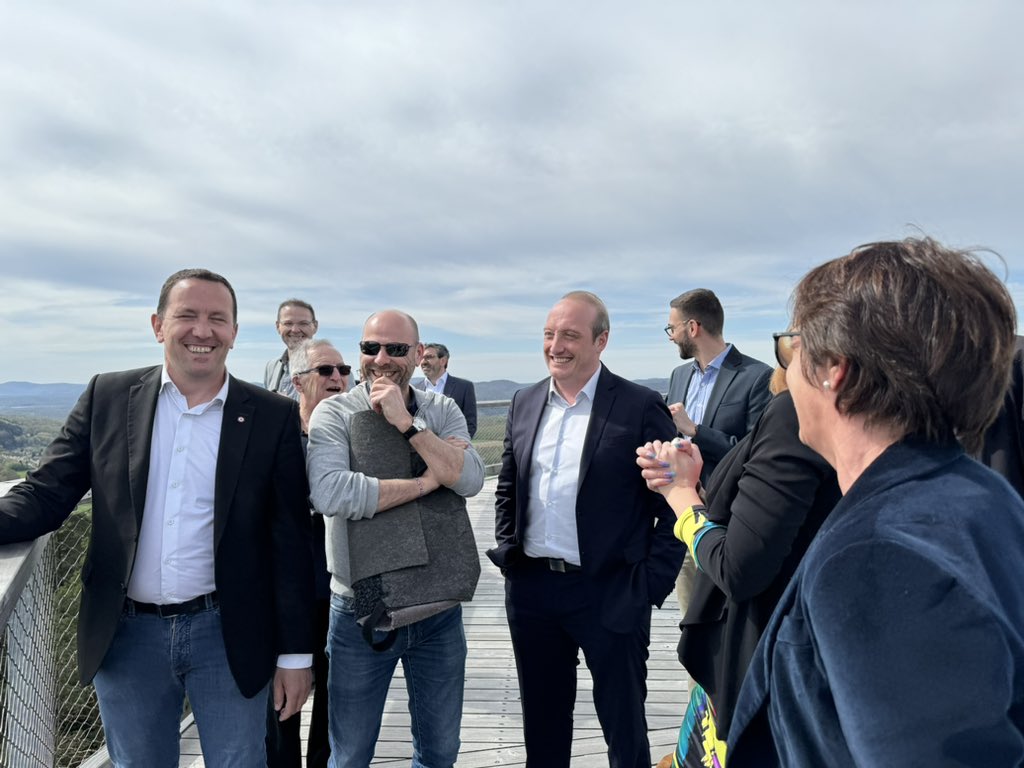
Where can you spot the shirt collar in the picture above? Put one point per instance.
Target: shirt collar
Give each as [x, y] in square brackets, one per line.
[717, 361]
[588, 389]
[220, 398]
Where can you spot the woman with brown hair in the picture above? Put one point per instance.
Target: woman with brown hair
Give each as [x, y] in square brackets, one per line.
[900, 639]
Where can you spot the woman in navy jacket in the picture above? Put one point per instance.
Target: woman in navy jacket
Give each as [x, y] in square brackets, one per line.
[900, 640]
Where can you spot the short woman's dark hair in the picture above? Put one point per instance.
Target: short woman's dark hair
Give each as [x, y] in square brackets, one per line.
[928, 333]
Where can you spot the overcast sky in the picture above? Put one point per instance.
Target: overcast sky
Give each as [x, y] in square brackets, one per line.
[469, 162]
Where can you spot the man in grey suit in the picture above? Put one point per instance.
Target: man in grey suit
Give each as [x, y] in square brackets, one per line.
[717, 397]
[434, 365]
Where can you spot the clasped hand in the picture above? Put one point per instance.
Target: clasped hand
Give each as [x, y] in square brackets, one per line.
[669, 464]
[386, 399]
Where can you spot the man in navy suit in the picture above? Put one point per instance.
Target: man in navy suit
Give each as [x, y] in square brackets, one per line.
[585, 548]
[198, 578]
[435, 367]
[717, 397]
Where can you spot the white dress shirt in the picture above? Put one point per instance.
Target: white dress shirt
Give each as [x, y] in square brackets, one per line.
[439, 386]
[174, 558]
[554, 475]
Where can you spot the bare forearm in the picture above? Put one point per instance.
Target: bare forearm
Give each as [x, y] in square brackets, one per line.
[444, 459]
[393, 493]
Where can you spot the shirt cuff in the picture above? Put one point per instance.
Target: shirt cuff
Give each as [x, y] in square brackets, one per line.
[295, 660]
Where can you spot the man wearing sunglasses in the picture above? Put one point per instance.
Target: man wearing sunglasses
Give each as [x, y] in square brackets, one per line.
[428, 430]
[319, 372]
[296, 322]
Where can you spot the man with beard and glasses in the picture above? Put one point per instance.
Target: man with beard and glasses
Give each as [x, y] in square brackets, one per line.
[718, 396]
[437, 379]
[342, 437]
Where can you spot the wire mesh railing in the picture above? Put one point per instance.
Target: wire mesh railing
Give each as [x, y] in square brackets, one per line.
[46, 718]
[490, 432]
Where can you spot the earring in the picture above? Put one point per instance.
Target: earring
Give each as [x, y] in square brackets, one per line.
[826, 385]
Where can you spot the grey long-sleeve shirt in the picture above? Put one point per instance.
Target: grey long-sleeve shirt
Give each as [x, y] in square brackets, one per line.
[340, 494]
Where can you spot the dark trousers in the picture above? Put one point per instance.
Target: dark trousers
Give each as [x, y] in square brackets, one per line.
[552, 616]
[284, 743]
[318, 750]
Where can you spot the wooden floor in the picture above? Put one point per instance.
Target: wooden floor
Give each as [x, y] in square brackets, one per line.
[492, 721]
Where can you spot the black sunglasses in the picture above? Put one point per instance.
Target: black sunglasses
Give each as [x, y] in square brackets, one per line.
[328, 370]
[394, 349]
[784, 347]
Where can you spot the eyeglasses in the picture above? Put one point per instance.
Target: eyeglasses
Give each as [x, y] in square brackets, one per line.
[784, 347]
[671, 327]
[328, 370]
[394, 349]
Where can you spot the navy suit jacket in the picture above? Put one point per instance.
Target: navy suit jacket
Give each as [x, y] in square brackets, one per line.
[262, 565]
[739, 396]
[627, 548]
[463, 393]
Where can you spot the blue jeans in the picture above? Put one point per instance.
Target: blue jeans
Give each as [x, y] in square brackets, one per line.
[141, 686]
[433, 656]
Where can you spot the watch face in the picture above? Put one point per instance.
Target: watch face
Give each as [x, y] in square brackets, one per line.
[419, 424]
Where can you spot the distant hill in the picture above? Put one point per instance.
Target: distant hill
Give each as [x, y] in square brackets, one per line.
[54, 401]
[42, 401]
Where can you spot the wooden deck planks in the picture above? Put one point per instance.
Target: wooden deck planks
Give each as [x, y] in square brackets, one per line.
[492, 720]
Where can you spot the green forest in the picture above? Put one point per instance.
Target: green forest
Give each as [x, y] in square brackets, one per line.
[22, 442]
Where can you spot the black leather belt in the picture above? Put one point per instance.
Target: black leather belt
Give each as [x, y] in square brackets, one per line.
[196, 604]
[558, 565]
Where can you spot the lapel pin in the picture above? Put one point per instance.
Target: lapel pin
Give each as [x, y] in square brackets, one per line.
[241, 419]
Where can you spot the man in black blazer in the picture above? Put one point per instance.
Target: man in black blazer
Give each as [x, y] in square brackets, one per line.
[585, 547]
[435, 367]
[197, 579]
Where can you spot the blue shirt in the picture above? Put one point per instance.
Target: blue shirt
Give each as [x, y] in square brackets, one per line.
[701, 384]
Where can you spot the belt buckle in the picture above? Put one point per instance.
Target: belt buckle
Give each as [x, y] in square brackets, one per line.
[170, 610]
[556, 564]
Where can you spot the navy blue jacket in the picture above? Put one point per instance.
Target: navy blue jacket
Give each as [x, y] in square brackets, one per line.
[900, 640]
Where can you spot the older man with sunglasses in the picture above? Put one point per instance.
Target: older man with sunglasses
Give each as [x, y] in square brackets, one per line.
[318, 372]
[433, 649]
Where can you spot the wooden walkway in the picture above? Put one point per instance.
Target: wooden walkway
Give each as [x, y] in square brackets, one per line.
[491, 720]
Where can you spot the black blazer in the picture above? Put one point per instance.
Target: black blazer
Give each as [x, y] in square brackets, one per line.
[1003, 449]
[262, 565]
[627, 548]
[772, 493]
[737, 399]
[463, 393]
